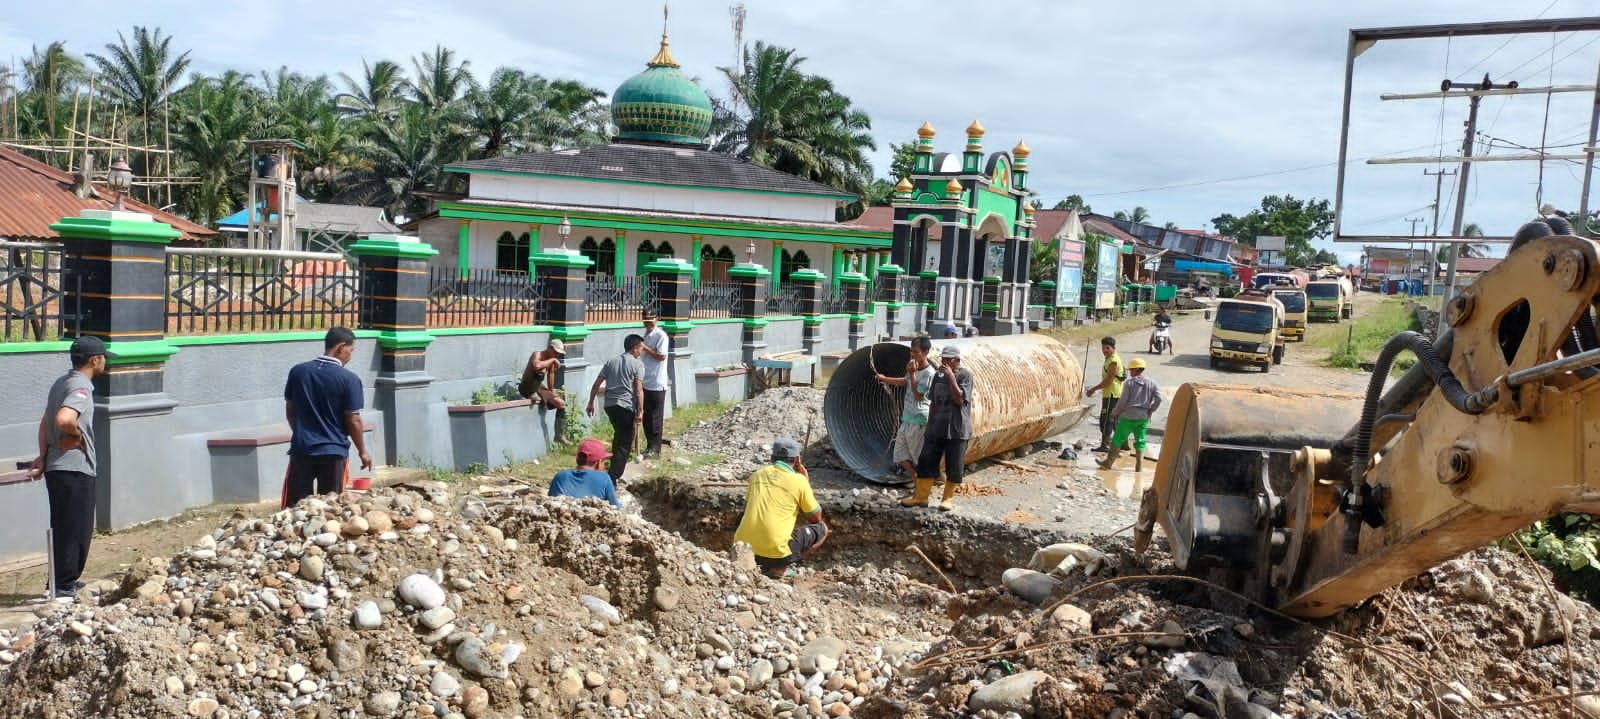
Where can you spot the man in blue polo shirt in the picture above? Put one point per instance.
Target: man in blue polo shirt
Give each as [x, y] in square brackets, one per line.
[322, 401]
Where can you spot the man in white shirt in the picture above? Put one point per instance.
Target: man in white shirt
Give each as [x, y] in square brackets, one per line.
[656, 346]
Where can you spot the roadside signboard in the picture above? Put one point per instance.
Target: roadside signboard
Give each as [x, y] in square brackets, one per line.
[1105, 284]
[1069, 273]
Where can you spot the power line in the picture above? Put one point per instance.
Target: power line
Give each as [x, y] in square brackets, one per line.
[1198, 183]
[1580, 48]
[1503, 45]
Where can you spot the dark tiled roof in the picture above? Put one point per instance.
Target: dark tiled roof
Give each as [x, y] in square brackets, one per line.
[34, 196]
[1476, 265]
[879, 218]
[655, 164]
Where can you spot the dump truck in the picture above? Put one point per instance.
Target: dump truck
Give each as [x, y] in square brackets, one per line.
[1248, 330]
[1332, 300]
[1294, 311]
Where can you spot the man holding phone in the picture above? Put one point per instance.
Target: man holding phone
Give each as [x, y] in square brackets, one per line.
[780, 493]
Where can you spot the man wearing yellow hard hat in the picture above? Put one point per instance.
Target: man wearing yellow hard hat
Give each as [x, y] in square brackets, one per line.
[1140, 398]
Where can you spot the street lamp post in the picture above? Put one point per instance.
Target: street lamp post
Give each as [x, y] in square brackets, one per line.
[120, 179]
[564, 230]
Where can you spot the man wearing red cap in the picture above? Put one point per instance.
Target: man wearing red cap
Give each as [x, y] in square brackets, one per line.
[587, 480]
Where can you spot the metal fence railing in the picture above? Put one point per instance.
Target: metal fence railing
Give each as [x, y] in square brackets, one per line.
[713, 300]
[1043, 296]
[784, 301]
[33, 285]
[618, 300]
[918, 290]
[213, 290]
[834, 301]
[483, 298]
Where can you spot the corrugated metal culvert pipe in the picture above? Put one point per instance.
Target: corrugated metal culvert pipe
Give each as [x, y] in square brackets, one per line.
[1027, 387]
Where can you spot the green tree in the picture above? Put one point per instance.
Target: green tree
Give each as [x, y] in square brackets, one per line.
[377, 94]
[1298, 221]
[1137, 214]
[52, 75]
[1074, 202]
[790, 121]
[1469, 249]
[214, 117]
[142, 75]
[1170, 226]
[905, 158]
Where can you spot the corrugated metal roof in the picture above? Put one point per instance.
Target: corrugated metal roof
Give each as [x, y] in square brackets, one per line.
[34, 196]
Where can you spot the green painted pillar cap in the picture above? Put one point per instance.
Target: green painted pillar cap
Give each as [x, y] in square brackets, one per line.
[114, 225]
[669, 266]
[853, 278]
[393, 246]
[807, 274]
[890, 269]
[748, 270]
[560, 258]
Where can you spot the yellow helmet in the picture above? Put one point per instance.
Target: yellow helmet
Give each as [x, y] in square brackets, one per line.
[1136, 363]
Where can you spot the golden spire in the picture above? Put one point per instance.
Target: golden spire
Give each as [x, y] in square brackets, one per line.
[953, 187]
[1028, 210]
[663, 58]
[1020, 151]
[905, 186]
[926, 131]
[975, 129]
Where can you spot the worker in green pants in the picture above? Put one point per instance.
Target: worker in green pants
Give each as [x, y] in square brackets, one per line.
[1140, 398]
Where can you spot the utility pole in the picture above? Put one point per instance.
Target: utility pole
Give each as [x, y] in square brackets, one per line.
[1466, 170]
[1411, 251]
[1433, 248]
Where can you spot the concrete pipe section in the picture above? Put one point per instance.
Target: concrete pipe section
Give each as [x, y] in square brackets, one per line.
[1026, 388]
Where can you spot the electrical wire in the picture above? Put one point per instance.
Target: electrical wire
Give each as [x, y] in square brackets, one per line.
[1544, 132]
[1579, 49]
[1223, 180]
[1503, 45]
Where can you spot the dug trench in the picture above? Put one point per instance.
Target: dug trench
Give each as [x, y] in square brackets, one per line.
[483, 598]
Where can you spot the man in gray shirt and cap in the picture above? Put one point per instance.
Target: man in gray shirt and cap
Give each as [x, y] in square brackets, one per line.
[67, 461]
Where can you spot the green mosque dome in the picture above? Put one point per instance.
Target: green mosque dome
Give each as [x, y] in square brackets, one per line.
[661, 104]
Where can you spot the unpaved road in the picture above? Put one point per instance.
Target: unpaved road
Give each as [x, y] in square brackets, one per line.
[1077, 497]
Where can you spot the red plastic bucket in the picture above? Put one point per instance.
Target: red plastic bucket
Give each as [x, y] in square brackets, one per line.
[361, 483]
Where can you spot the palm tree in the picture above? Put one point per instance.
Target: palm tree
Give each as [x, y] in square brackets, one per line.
[1468, 249]
[1074, 202]
[1139, 214]
[793, 122]
[214, 119]
[440, 81]
[402, 157]
[51, 74]
[143, 75]
[377, 95]
[501, 113]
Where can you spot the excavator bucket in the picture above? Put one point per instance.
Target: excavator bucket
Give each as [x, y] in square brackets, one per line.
[1225, 458]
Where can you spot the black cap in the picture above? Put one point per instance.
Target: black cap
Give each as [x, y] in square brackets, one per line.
[89, 346]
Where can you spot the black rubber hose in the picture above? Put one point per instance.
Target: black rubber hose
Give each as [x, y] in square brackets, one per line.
[1559, 224]
[1531, 231]
[1438, 371]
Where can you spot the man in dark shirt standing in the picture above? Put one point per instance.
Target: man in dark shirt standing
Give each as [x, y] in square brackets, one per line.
[622, 377]
[67, 461]
[949, 428]
[322, 401]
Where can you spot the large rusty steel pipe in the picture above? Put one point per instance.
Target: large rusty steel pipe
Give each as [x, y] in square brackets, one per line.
[1026, 388]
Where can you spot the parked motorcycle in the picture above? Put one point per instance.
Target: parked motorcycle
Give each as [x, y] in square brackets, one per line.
[1161, 339]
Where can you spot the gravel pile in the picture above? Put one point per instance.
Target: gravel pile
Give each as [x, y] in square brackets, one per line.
[501, 603]
[743, 435]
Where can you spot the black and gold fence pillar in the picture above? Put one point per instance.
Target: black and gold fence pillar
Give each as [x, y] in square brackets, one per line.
[118, 262]
[394, 302]
[672, 281]
[854, 287]
[751, 307]
[888, 291]
[808, 283]
[563, 277]
[988, 318]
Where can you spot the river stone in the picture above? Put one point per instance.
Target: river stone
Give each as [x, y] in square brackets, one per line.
[382, 704]
[367, 616]
[1031, 586]
[1072, 619]
[821, 655]
[437, 617]
[760, 672]
[311, 568]
[420, 591]
[444, 685]
[473, 656]
[1011, 694]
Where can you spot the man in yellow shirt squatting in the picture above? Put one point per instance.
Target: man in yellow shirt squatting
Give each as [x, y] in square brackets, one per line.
[780, 493]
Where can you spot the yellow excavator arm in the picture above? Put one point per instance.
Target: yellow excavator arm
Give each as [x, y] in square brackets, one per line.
[1314, 502]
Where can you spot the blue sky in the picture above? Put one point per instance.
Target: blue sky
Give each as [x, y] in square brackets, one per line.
[1117, 99]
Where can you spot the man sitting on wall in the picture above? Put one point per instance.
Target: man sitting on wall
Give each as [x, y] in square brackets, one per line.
[587, 480]
[778, 494]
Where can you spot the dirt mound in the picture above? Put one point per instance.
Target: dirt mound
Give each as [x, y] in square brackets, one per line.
[484, 606]
[502, 603]
[743, 435]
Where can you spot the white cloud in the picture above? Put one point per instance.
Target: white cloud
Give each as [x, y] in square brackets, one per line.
[1111, 96]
